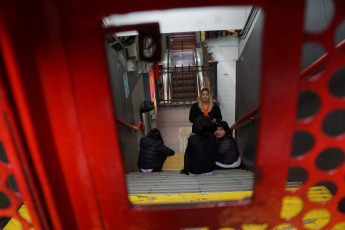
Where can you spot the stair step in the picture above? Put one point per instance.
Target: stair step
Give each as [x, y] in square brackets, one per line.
[184, 76]
[186, 96]
[172, 182]
[187, 82]
[184, 89]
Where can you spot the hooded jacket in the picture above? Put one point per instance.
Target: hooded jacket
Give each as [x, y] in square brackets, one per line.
[150, 151]
[200, 154]
[227, 152]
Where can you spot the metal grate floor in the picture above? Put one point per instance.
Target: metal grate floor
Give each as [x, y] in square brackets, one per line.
[172, 182]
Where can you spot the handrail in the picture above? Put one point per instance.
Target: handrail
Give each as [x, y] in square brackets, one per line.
[132, 127]
[249, 116]
[321, 63]
[317, 66]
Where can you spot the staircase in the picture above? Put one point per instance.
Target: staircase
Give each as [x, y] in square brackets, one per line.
[182, 41]
[183, 69]
[184, 85]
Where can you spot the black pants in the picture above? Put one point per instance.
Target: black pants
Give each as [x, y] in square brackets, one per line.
[161, 161]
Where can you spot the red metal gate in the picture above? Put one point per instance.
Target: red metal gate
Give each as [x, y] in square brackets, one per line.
[61, 119]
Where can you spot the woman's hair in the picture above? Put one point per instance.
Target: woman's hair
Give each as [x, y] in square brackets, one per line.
[155, 134]
[203, 125]
[210, 101]
[226, 128]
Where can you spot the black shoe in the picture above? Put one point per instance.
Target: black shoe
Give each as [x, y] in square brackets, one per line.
[183, 171]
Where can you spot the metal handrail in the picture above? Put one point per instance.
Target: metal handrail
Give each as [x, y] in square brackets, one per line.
[132, 127]
[317, 66]
[249, 116]
[321, 63]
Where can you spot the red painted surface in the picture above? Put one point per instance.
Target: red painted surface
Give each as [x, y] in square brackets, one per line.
[18, 165]
[155, 69]
[62, 113]
[153, 88]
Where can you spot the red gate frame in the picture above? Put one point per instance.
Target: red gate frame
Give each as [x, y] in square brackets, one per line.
[54, 55]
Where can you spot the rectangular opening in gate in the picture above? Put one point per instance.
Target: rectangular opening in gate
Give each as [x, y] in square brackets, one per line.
[160, 63]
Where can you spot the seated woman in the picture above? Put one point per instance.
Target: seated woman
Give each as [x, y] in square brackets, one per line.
[201, 149]
[227, 156]
[153, 152]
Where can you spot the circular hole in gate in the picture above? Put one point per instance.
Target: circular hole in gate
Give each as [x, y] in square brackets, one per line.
[14, 224]
[308, 104]
[291, 207]
[149, 47]
[4, 220]
[284, 226]
[341, 206]
[24, 212]
[3, 157]
[339, 33]
[297, 174]
[337, 83]
[339, 226]
[4, 201]
[329, 159]
[322, 192]
[302, 143]
[316, 219]
[318, 15]
[310, 53]
[254, 226]
[12, 184]
[334, 123]
[332, 187]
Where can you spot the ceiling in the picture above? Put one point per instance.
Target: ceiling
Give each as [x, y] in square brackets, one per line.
[186, 19]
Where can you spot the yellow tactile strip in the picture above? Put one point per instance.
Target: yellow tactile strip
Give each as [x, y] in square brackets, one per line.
[291, 207]
[188, 197]
[175, 162]
[319, 193]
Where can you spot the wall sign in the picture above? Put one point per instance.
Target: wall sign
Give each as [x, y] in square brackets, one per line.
[152, 88]
[125, 82]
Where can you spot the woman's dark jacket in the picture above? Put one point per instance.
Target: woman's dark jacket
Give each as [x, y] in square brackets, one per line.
[200, 154]
[150, 151]
[227, 152]
[195, 112]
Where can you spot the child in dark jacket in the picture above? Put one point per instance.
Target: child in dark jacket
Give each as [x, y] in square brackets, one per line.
[200, 153]
[153, 152]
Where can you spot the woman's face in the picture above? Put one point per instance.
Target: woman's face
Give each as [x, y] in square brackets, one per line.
[204, 96]
[220, 132]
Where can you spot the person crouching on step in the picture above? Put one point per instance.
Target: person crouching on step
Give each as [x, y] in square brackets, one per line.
[153, 152]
